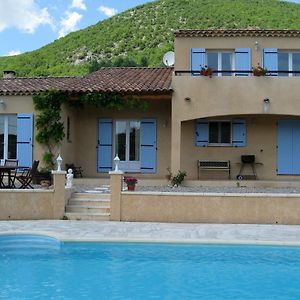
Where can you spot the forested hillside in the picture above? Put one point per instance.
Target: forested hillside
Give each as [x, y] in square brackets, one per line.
[142, 35]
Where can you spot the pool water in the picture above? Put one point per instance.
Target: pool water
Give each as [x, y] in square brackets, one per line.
[43, 268]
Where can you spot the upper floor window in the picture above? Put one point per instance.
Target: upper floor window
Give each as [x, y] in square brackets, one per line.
[238, 60]
[275, 60]
[220, 61]
[288, 61]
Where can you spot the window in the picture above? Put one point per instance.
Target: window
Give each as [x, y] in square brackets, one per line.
[8, 136]
[220, 61]
[288, 61]
[219, 132]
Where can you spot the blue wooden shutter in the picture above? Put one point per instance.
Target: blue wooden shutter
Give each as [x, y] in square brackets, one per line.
[24, 139]
[285, 147]
[270, 60]
[296, 147]
[104, 157]
[239, 133]
[197, 59]
[148, 146]
[242, 61]
[201, 133]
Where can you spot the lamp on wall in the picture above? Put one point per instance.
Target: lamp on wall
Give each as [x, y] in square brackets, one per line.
[256, 46]
[2, 104]
[266, 103]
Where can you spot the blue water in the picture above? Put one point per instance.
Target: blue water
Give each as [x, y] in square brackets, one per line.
[30, 270]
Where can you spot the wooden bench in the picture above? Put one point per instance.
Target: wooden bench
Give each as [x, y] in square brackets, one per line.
[213, 165]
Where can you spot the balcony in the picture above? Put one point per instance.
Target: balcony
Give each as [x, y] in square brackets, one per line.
[198, 96]
[240, 73]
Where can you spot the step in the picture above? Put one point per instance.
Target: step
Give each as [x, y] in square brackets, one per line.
[87, 209]
[91, 196]
[90, 217]
[89, 202]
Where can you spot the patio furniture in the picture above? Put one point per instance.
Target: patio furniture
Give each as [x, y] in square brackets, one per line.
[247, 160]
[10, 173]
[77, 171]
[25, 178]
[223, 165]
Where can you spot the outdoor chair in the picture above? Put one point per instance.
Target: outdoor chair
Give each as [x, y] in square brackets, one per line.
[77, 171]
[25, 178]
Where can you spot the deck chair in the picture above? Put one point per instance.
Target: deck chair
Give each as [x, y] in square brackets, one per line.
[25, 178]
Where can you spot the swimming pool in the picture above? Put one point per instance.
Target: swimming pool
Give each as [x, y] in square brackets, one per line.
[43, 268]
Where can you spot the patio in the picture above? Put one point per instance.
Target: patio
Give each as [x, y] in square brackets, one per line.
[157, 232]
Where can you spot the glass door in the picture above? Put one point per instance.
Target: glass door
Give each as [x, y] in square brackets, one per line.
[127, 145]
[8, 137]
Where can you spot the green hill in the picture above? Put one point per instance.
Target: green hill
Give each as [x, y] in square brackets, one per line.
[140, 36]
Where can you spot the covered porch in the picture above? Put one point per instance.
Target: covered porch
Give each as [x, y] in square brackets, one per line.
[271, 139]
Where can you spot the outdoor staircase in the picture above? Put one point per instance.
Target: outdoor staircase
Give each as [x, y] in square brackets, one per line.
[88, 206]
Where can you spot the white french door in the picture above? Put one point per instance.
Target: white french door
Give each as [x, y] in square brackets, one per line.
[127, 144]
[8, 137]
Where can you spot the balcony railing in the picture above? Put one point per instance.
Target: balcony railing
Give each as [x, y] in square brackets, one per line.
[239, 73]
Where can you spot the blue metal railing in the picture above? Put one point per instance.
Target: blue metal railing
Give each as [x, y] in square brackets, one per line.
[235, 72]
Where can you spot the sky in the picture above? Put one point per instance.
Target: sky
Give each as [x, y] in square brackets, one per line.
[26, 25]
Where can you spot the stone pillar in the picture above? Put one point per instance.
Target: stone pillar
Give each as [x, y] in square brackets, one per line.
[116, 181]
[175, 146]
[59, 178]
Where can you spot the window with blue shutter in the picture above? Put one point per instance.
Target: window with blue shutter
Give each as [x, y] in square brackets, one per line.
[104, 153]
[242, 61]
[24, 139]
[239, 133]
[148, 146]
[270, 60]
[201, 133]
[198, 59]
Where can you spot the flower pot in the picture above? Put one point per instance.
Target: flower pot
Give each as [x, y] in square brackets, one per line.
[45, 184]
[168, 177]
[130, 187]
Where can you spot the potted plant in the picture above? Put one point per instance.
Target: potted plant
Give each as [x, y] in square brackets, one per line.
[178, 179]
[169, 175]
[131, 182]
[206, 71]
[259, 71]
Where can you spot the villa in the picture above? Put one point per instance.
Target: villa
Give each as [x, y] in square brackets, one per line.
[196, 120]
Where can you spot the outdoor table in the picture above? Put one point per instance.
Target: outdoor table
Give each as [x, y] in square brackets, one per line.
[7, 170]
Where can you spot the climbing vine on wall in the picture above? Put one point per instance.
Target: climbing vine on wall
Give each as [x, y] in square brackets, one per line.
[49, 126]
[111, 101]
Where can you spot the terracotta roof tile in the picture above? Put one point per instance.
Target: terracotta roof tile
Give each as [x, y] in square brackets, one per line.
[120, 80]
[238, 33]
[132, 80]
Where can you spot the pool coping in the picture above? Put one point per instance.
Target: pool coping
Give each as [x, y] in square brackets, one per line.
[130, 232]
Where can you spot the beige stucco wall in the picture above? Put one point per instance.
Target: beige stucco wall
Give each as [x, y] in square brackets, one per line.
[68, 146]
[247, 209]
[26, 205]
[183, 46]
[86, 135]
[35, 204]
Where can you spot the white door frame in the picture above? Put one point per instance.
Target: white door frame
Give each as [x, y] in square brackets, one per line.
[127, 165]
